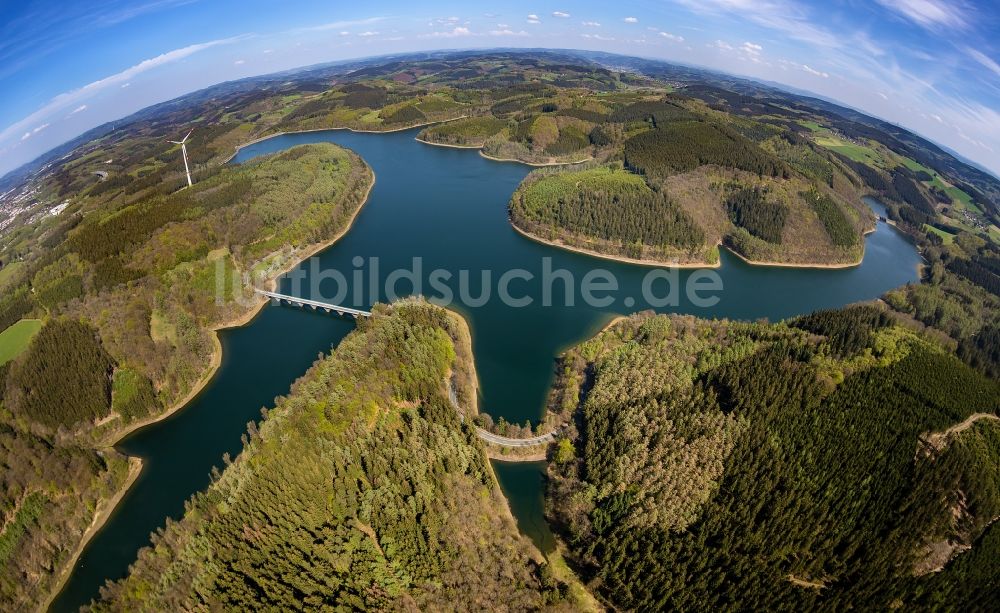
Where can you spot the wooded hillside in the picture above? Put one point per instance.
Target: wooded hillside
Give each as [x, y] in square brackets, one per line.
[129, 292]
[361, 489]
[733, 466]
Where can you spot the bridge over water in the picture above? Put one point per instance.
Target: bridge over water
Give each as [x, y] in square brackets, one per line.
[486, 435]
[315, 304]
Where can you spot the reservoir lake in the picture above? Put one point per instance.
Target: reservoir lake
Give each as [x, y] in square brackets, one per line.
[448, 207]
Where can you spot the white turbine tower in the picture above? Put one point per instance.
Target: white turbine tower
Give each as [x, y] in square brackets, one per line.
[184, 153]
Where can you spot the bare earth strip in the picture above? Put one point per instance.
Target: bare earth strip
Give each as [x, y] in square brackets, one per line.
[939, 440]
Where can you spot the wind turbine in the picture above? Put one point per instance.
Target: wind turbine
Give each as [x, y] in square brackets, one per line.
[184, 153]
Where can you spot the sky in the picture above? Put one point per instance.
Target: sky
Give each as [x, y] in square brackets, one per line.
[932, 66]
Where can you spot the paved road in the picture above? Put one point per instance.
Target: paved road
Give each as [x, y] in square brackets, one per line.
[496, 439]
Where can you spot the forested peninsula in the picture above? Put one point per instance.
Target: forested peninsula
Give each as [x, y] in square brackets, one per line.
[363, 488]
[838, 460]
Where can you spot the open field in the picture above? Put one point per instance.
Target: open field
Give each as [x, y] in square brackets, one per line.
[15, 339]
[947, 237]
[859, 153]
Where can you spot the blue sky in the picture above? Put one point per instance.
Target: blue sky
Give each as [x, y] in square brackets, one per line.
[929, 65]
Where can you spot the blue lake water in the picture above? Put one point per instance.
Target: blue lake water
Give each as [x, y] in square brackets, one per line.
[447, 207]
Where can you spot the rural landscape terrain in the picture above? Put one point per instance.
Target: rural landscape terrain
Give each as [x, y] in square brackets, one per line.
[848, 458]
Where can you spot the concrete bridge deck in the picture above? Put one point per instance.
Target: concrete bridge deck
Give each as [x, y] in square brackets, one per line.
[315, 304]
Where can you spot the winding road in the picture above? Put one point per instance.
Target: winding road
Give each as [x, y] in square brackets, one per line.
[496, 439]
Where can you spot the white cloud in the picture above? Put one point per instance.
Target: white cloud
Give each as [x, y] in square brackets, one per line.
[590, 24]
[507, 32]
[984, 59]
[444, 21]
[340, 25]
[34, 131]
[883, 96]
[267, 51]
[79, 109]
[721, 44]
[560, 14]
[502, 26]
[533, 19]
[122, 78]
[596, 37]
[784, 16]
[368, 34]
[238, 62]
[752, 48]
[815, 72]
[672, 37]
[929, 14]
[457, 32]
[345, 33]
[631, 20]
[785, 64]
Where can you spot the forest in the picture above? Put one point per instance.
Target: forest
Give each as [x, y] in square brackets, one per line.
[793, 463]
[361, 489]
[607, 204]
[962, 306]
[750, 208]
[128, 297]
[674, 161]
[686, 145]
[837, 226]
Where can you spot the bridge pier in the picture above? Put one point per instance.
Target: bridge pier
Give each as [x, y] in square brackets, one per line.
[278, 299]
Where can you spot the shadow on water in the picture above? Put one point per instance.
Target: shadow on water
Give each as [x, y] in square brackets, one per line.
[448, 207]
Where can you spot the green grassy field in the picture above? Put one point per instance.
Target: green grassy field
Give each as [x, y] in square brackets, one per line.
[15, 339]
[959, 198]
[947, 237]
[812, 125]
[859, 153]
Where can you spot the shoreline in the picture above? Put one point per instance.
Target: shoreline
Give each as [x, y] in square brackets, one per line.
[450, 146]
[796, 264]
[261, 139]
[465, 330]
[535, 456]
[101, 516]
[666, 264]
[535, 164]
[834, 266]
[216, 361]
[496, 159]
[614, 258]
[237, 322]
[611, 324]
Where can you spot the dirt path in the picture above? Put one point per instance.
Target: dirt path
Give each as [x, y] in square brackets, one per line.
[937, 441]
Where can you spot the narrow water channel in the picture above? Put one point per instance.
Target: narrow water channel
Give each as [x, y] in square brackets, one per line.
[446, 207]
